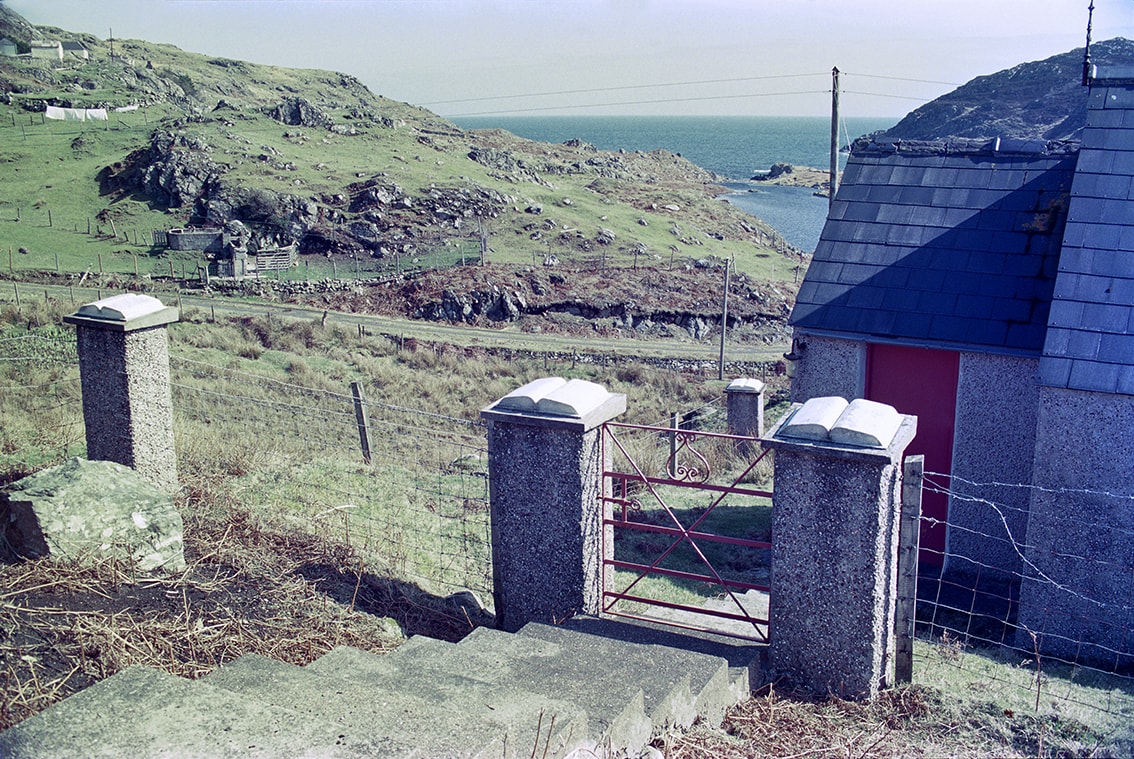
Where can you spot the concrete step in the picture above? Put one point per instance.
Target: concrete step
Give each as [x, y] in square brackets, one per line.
[589, 687]
[143, 713]
[614, 707]
[444, 714]
[614, 703]
[747, 660]
[678, 685]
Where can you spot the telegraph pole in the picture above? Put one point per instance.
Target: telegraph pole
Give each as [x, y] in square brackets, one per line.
[1087, 49]
[724, 319]
[834, 135]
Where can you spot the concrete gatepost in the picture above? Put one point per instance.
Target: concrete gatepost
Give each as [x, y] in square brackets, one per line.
[124, 366]
[835, 528]
[545, 466]
[745, 407]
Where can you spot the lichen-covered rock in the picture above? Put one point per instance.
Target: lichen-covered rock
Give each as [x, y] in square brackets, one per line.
[83, 509]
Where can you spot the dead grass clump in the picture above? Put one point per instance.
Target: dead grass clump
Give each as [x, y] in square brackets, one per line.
[910, 721]
[65, 626]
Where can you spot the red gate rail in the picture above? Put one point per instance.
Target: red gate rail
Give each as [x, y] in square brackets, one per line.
[630, 488]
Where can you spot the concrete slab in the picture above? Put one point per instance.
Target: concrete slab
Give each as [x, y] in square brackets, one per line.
[745, 659]
[614, 704]
[344, 661]
[678, 685]
[442, 716]
[142, 712]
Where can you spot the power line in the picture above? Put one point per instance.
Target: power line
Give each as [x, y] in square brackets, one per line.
[905, 79]
[884, 95]
[617, 89]
[636, 102]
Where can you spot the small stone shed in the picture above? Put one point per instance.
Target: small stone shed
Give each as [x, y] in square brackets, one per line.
[988, 289]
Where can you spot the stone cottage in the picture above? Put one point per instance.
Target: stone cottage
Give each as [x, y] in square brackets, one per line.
[988, 288]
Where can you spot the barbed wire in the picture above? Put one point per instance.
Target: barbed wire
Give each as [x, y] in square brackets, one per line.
[980, 606]
[1019, 546]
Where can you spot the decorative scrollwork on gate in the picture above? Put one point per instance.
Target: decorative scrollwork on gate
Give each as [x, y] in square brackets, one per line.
[700, 471]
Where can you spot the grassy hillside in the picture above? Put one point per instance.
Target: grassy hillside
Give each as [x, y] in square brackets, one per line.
[314, 157]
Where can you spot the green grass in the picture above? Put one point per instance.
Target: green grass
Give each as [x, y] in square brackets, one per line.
[50, 197]
[1059, 703]
[54, 167]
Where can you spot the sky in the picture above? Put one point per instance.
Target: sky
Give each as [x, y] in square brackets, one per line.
[631, 57]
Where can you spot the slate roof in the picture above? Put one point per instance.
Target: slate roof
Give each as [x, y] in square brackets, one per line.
[1090, 334]
[942, 244]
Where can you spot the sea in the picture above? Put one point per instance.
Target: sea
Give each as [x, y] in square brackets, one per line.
[736, 147]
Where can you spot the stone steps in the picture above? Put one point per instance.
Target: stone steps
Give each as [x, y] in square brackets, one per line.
[544, 691]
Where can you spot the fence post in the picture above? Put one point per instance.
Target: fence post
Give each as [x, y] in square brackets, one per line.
[912, 472]
[546, 467]
[124, 373]
[675, 425]
[835, 518]
[362, 418]
[745, 407]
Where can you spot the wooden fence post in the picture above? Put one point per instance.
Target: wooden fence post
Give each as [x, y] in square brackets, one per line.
[362, 418]
[914, 468]
[675, 425]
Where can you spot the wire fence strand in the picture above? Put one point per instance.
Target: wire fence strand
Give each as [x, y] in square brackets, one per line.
[418, 509]
[1057, 614]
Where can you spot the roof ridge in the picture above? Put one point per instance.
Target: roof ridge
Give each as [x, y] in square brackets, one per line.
[964, 146]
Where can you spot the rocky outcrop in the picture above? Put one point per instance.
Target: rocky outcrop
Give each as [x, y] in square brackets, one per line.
[299, 112]
[86, 510]
[1042, 100]
[177, 170]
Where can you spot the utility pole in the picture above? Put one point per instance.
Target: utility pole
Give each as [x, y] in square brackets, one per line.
[483, 235]
[834, 135]
[1087, 49]
[724, 319]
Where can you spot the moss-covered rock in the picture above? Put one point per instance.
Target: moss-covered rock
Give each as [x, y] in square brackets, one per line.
[82, 510]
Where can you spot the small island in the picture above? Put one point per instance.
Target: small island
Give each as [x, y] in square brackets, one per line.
[787, 175]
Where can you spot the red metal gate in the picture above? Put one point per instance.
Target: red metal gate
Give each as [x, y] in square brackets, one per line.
[687, 529]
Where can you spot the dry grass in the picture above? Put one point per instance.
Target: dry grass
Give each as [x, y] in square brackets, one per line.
[911, 721]
[248, 588]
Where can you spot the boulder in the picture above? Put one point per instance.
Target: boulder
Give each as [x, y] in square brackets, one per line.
[81, 510]
[295, 111]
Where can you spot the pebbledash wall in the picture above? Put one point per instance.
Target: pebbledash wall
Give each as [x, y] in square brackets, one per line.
[1041, 494]
[993, 441]
[1081, 528]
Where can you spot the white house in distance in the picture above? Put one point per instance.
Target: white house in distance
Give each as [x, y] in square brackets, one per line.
[8, 47]
[47, 49]
[988, 288]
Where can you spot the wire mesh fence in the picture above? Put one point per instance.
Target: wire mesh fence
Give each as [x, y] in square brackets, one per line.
[413, 501]
[39, 378]
[1048, 627]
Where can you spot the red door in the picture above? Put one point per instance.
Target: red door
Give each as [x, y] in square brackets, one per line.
[922, 382]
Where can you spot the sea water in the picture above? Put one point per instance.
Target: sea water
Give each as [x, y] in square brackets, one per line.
[736, 147]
